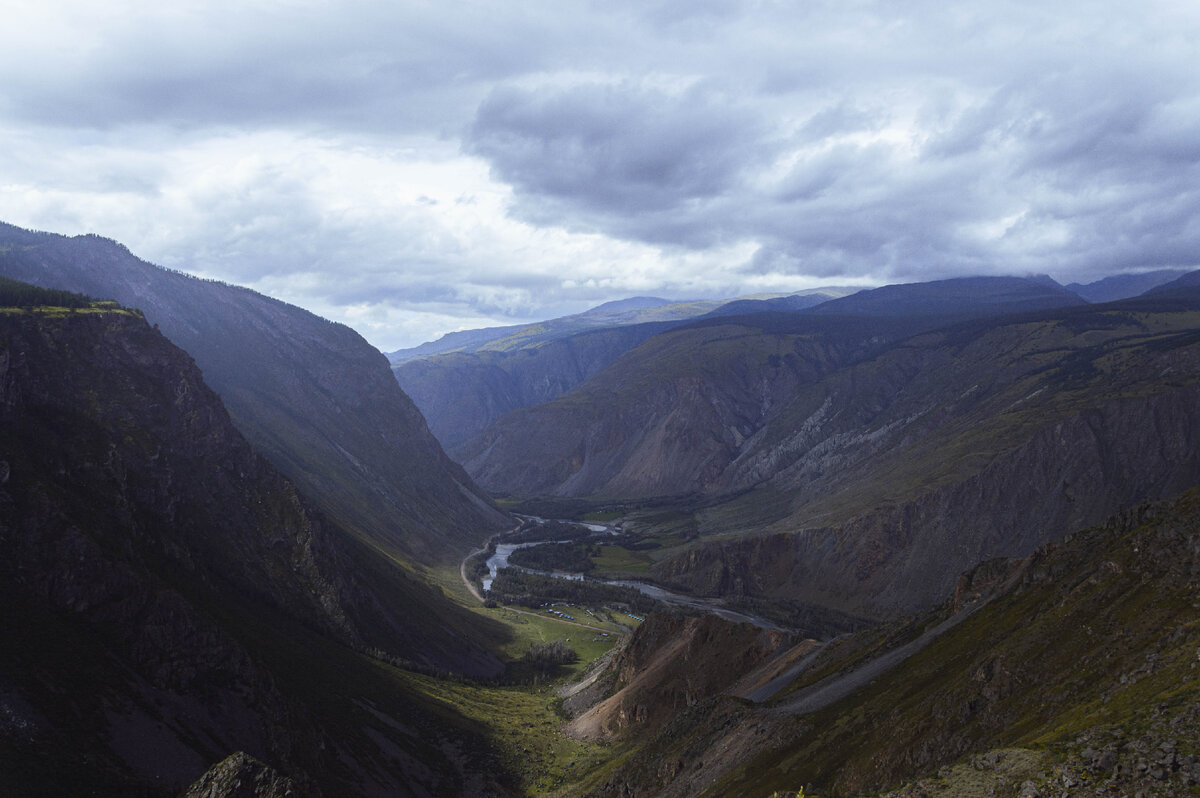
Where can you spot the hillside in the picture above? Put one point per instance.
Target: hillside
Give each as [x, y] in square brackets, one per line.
[462, 393]
[311, 395]
[1071, 669]
[169, 598]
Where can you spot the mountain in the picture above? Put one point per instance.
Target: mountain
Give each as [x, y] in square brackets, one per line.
[311, 395]
[461, 341]
[860, 465]
[634, 310]
[1123, 286]
[956, 297]
[170, 598]
[1185, 282]
[667, 417]
[1070, 671]
[670, 417]
[882, 481]
[780, 304]
[462, 393]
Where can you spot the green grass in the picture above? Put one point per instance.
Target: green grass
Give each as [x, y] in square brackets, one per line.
[618, 559]
[524, 724]
[544, 628]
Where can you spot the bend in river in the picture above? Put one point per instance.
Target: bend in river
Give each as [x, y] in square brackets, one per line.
[504, 550]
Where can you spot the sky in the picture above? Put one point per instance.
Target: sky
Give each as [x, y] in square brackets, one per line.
[413, 168]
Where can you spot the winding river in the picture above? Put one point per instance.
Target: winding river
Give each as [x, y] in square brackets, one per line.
[504, 550]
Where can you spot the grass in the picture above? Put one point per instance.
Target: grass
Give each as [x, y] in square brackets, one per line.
[525, 726]
[618, 559]
[538, 628]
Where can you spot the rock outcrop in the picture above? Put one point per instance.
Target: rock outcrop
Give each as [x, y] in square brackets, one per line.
[242, 776]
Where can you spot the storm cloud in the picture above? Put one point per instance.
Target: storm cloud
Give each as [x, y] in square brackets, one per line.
[416, 168]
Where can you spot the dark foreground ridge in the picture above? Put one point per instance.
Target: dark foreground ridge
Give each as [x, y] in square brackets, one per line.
[170, 598]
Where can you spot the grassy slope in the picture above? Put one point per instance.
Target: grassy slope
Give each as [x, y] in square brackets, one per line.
[1093, 638]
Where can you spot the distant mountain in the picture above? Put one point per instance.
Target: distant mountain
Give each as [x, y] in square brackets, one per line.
[1185, 282]
[667, 417]
[1123, 286]
[781, 304]
[311, 395]
[460, 393]
[635, 310]
[618, 307]
[463, 341]
[960, 296]
[169, 598]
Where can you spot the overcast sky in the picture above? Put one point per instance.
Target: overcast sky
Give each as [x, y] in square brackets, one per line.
[412, 168]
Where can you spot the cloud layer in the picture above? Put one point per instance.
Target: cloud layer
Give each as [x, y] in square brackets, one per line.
[414, 168]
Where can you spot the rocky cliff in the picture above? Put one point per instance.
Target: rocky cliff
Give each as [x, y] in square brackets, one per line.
[311, 395]
[169, 597]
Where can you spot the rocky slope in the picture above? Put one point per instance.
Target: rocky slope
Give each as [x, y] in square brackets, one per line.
[669, 416]
[242, 776]
[311, 395]
[462, 393]
[170, 598]
[1074, 670]
[668, 666]
[982, 440]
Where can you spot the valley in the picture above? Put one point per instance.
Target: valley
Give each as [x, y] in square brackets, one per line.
[930, 539]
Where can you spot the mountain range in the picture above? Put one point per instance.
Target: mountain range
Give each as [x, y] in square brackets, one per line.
[958, 519]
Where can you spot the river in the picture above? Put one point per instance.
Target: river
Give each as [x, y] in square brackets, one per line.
[504, 550]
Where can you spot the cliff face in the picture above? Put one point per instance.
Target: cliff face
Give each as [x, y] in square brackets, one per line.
[311, 395]
[169, 597]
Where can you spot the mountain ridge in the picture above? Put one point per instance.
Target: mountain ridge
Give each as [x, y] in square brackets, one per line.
[310, 394]
[170, 597]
